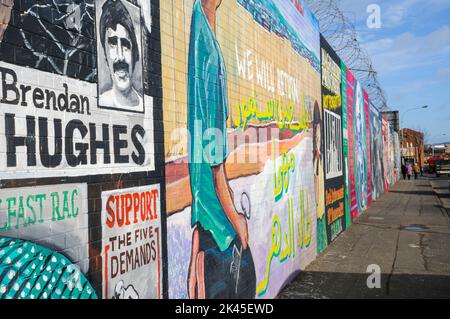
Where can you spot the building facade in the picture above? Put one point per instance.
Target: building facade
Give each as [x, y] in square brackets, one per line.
[412, 146]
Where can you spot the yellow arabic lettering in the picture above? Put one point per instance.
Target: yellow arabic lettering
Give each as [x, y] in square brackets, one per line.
[281, 114]
[275, 250]
[281, 178]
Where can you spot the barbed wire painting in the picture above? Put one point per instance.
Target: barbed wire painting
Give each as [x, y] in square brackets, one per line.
[56, 36]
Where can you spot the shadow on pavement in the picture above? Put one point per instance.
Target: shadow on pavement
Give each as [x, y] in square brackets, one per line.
[424, 193]
[320, 285]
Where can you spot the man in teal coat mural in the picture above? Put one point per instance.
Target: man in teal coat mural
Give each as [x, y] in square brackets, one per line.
[221, 262]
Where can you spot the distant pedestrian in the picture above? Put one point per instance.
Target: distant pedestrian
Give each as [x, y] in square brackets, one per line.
[404, 171]
[416, 171]
[421, 171]
[410, 171]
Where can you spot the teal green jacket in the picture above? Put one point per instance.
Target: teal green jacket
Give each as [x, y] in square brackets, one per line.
[207, 115]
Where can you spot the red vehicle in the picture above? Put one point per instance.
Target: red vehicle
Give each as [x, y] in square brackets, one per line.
[432, 163]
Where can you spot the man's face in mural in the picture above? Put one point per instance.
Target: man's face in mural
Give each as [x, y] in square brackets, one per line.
[119, 57]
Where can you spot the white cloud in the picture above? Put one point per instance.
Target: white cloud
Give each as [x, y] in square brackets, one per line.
[394, 14]
[409, 51]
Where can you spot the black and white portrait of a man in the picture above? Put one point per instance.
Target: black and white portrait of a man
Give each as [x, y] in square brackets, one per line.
[120, 80]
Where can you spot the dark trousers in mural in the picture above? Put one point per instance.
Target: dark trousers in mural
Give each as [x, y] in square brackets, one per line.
[229, 274]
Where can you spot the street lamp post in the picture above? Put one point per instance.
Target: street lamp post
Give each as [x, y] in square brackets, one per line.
[413, 109]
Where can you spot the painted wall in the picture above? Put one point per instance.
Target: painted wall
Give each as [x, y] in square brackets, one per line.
[81, 167]
[347, 142]
[376, 153]
[358, 136]
[361, 150]
[333, 222]
[351, 100]
[394, 151]
[368, 161]
[156, 149]
[386, 155]
[262, 67]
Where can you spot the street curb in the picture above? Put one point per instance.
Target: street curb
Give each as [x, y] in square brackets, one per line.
[438, 193]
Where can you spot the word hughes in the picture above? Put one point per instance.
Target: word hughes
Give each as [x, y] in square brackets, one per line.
[73, 143]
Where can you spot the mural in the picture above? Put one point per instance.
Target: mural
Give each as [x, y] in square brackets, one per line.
[53, 36]
[182, 149]
[54, 125]
[361, 149]
[244, 182]
[345, 143]
[333, 223]
[397, 157]
[29, 271]
[358, 133]
[351, 97]
[52, 216]
[386, 159]
[394, 143]
[55, 216]
[120, 52]
[76, 145]
[376, 153]
[367, 160]
[131, 253]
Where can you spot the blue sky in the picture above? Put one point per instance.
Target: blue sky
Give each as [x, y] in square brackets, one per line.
[411, 52]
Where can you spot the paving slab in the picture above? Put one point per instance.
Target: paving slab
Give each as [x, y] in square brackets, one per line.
[406, 233]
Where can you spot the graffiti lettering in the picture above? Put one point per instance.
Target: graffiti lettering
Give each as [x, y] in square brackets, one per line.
[335, 213]
[275, 249]
[282, 244]
[142, 206]
[131, 241]
[331, 73]
[133, 259]
[24, 211]
[332, 102]
[281, 178]
[334, 195]
[333, 145]
[336, 229]
[277, 112]
[265, 74]
[76, 150]
[286, 84]
[13, 94]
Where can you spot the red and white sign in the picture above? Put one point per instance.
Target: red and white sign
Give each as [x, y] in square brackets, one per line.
[131, 245]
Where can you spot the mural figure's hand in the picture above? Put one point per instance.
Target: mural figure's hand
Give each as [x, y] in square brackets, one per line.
[242, 230]
[192, 272]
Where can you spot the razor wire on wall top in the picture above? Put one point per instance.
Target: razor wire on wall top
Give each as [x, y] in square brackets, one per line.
[342, 35]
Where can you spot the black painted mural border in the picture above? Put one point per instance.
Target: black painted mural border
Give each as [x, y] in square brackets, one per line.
[96, 184]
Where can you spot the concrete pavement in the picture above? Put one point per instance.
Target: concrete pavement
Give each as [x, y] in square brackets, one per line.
[441, 187]
[406, 233]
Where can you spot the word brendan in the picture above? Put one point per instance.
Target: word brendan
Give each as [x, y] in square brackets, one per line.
[41, 99]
